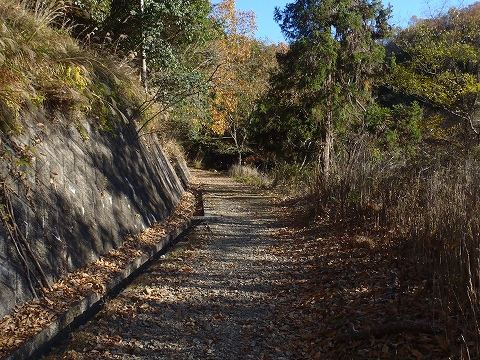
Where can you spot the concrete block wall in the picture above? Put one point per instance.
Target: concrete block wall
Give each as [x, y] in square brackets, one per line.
[88, 190]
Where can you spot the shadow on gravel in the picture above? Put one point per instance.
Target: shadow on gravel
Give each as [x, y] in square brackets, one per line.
[212, 297]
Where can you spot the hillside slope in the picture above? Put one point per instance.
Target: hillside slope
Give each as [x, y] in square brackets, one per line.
[75, 176]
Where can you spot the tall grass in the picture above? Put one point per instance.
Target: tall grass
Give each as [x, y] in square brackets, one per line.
[250, 175]
[433, 208]
[42, 67]
[440, 215]
[45, 12]
[361, 181]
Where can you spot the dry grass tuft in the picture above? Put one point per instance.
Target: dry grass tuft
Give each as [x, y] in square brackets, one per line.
[432, 208]
[250, 175]
[42, 67]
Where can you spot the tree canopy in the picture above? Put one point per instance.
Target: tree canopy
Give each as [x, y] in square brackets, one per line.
[323, 85]
[304, 101]
[438, 62]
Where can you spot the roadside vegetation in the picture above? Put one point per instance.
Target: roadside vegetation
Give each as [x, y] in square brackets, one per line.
[44, 70]
[365, 120]
[382, 124]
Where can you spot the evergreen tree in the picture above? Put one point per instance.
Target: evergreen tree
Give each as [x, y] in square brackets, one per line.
[324, 81]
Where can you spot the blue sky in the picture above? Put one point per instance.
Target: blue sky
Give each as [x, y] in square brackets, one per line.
[403, 10]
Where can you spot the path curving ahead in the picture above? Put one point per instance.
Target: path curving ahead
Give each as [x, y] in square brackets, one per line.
[211, 298]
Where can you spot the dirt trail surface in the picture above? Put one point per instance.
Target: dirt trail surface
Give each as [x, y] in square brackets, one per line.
[262, 278]
[211, 298]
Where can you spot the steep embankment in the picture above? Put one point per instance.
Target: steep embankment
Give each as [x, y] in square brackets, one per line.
[77, 200]
[74, 175]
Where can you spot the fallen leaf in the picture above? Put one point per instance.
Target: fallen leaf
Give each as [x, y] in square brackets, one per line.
[417, 354]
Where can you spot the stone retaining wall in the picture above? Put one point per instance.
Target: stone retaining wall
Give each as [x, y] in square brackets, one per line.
[87, 190]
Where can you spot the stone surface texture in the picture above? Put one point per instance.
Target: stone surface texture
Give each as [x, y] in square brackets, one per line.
[87, 190]
[214, 297]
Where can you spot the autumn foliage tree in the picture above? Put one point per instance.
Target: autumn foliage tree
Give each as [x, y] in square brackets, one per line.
[437, 61]
[233, 49]
[239, 77]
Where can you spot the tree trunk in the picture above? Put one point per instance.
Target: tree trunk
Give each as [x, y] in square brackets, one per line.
[327, 151]
[143, 74]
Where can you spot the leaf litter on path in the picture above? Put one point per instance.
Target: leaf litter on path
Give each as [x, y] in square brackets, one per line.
[348, 297]
[321, 289]
[29, 319]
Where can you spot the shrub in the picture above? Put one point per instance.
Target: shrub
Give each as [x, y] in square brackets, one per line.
[250, 175]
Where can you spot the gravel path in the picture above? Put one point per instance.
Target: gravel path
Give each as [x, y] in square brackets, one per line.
[211, 298]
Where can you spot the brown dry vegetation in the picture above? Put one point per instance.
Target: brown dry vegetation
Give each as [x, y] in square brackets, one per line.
[43, 69]
[428, 210]
[353, 295]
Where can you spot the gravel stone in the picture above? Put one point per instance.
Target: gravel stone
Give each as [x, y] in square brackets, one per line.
[212, 299]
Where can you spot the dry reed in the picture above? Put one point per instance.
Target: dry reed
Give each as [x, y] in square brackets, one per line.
[434, 209]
